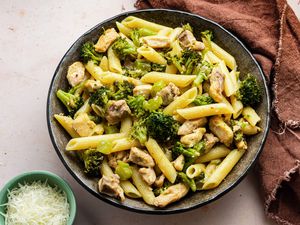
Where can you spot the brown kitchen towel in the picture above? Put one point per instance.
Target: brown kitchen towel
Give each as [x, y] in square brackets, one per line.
[272, 32]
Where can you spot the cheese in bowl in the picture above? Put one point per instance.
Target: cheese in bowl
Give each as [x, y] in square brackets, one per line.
[155, 113]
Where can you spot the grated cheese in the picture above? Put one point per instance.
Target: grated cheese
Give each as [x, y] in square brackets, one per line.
[36, 204]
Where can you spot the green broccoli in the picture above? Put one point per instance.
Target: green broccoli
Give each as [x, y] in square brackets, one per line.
[139, 131]
[122, 90]
[207, 36]
[190, 182]
[72, 101]
[88, 53]
[157, 86]
[202, 71]
[111, 129]
[203, 100]
[124, 49]
[158, 67]
[92, 160]
[250, 91]
[124, 170]
[100, 97]
[138, 69]
[153, 104]
[193, 152]
[161, 127]
[187, 27]
[136, 34]
[136, 105]
[187, 63]
[160, 190]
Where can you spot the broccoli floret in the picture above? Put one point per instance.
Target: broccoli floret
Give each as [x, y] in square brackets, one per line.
[137, 33]
[88, 53]
[92, 160]
[158, 67]
[111, 129]
[157, 86]
[187, 63]
[249, 92]
[179, 149]
[161, 127]
[160, 190]
[72, 101]
[202, 71]
[139, 131]
[203, 100]
[100, 97]
[187, 27]
[136, 105]
[122, 90]
[123, 48]
[124, 170]
[153, 104]
[138, 69]
[190, 182]
[207, 36]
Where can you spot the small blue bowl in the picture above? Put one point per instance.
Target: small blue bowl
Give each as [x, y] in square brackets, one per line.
[29, 177]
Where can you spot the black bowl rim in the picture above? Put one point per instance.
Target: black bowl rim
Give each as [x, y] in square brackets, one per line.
[162, 211]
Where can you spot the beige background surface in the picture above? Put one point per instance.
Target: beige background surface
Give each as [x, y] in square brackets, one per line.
[34, 36]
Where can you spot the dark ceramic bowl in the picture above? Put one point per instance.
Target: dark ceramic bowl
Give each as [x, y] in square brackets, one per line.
[246, 63]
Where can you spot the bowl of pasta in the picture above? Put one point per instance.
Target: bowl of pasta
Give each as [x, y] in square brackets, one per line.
[158, 111]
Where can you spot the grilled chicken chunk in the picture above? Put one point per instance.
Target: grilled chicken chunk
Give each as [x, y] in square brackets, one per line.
[190, 125]
[178, 163]
[83, 125]
[148, 175]
[159, 181]
[143, 90]
[171, 194]
[106, 39]
[221, 130]
[92, 85]
[156, 41]
[117, 111]
[140, 157]
[110, 185]
[216, 86]
[75, 73]
[187, 40]
[168, 93]
[210, 141]
[190, 140]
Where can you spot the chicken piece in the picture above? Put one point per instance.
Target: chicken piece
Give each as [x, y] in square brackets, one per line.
[159, 181]
[241, 145]
[114, 157]
[216, 86]
[178, 163]
[75, 73]
[156, 41]
[148, 175]
[117, 111]
[83, 125]
[190, 125]
[221, 130]
[110, 185]
[186, 39]
[168, 93]
[143, 90]
[210, 141]
[198, 46]
[171, 194]
[140, 157]
[106, 39]
[190, 140]
[92, 85]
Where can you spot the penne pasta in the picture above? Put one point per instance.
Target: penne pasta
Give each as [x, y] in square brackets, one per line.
[217, 152]
[152, 55]
[105, 169]
[126, 125]
[114, 63]
[195, 170]
[123, 29]
[247, 129]
[109, 78]
[237, 106]
[222, 54]
[104, 64]
[204, 111]
[229, 86]
[134, 22]
[178, 80]
[66, 122]
[81, 143]
[94, 70]
[223, 169]
[250, 115]
[161, 160]
[129, 189]
[182, 101]
[144, 189]
[171, 69]
[85, 108]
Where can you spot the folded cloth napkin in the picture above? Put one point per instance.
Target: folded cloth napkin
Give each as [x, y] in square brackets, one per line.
[272, 32]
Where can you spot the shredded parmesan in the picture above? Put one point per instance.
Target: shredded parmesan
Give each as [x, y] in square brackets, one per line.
[36, 204]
